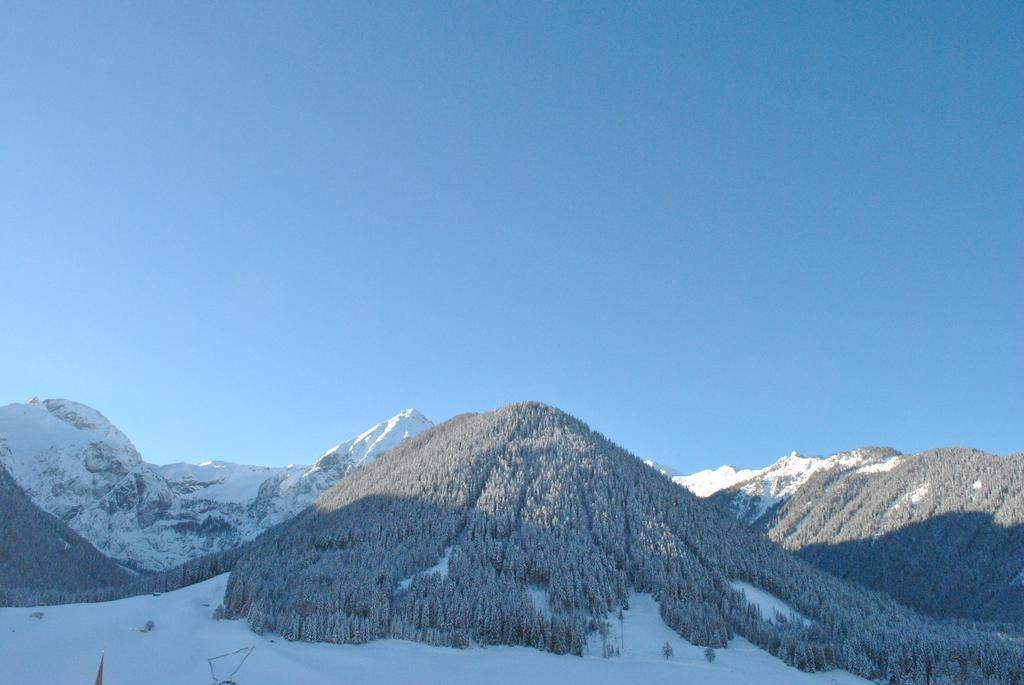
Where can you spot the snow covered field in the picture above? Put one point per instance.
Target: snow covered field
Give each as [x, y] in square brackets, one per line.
[65, 644]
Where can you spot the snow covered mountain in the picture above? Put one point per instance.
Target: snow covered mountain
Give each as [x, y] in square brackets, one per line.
[290, 490]
[78, 466]
[709, 481]
[752, 493]
[941, 531]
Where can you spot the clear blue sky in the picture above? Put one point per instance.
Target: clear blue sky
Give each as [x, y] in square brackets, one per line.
[717, 232]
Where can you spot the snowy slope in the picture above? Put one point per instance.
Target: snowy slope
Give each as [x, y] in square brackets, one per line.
[768, 604]
[78, 466]
[219, 481]
[175, 652]
[751, 493]
[709, 481]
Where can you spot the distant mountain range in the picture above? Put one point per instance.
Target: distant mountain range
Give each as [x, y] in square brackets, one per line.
[942, 530]
[73, 463]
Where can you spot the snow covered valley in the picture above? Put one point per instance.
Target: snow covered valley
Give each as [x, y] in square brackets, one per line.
[64, 646]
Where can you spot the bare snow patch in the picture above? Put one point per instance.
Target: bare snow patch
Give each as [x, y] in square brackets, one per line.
[919, 493]
[769, 604]
[881, 466]
[539, 597]
[440, 568]
[912, 498]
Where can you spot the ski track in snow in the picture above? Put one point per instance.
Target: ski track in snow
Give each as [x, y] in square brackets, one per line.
[65, 645]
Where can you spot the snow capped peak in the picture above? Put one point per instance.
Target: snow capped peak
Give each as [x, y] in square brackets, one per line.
[788, 472]
[376, 440]
[411, 414]
[49, 426]
[709, 481]
[296, 487]
[86, 418]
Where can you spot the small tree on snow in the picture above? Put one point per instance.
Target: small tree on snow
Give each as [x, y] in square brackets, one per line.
[667, 651]
[709, 654]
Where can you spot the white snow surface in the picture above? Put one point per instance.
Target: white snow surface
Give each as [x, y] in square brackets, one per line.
[220, 481]
[65, 646]
[539, 596]
[774, 482]
[881, 466]
[918, 493]
[709, 481]
[380, 438]
[78, 466]
[50, 432]
[909, 500]
[768, 603]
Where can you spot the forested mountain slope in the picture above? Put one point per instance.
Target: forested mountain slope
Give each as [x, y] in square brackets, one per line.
[521, 526]
[39, 552]
[942, 530]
